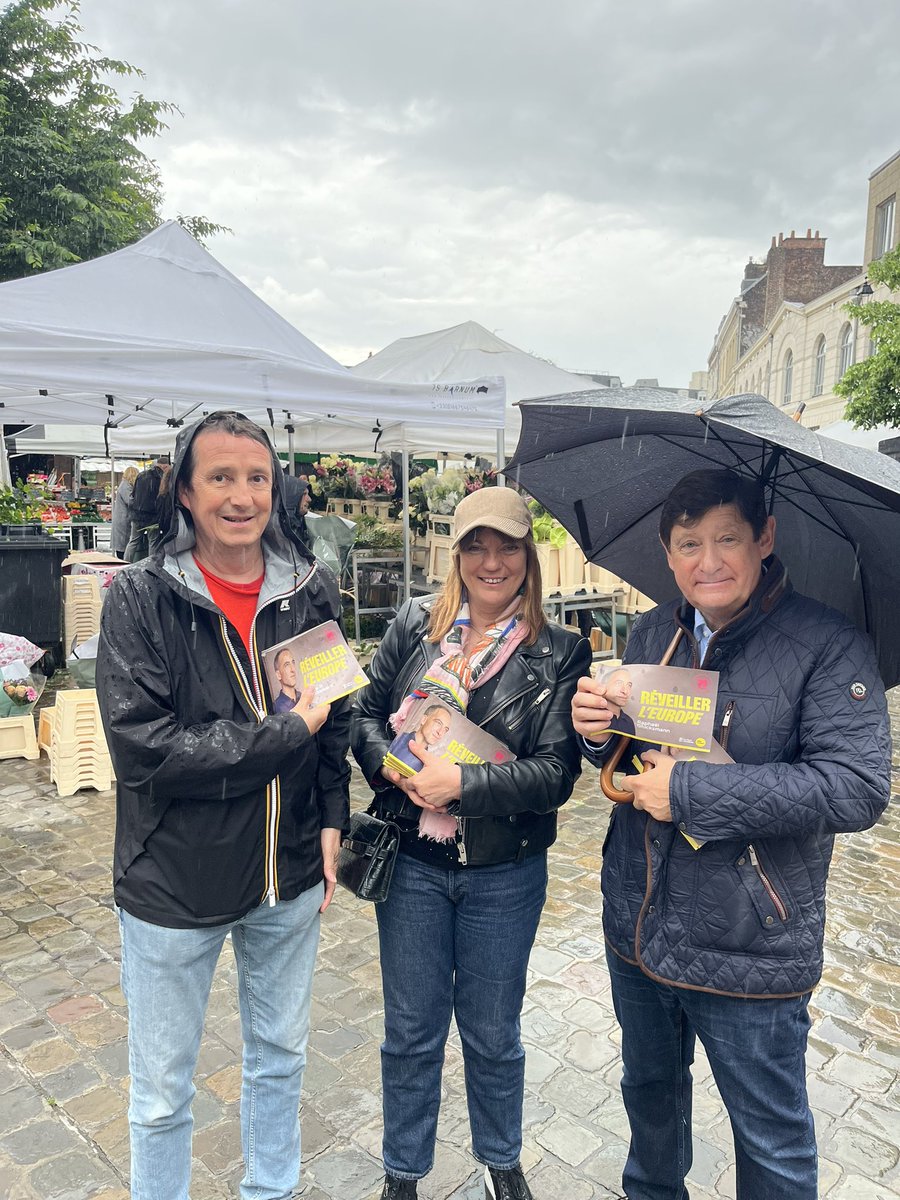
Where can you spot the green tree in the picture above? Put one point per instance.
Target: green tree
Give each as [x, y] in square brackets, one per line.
[872, 387]
[73, 182]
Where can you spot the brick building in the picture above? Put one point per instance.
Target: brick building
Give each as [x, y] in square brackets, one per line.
[787, 335]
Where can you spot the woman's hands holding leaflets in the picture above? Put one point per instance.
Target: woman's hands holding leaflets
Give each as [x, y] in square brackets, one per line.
[434, 787]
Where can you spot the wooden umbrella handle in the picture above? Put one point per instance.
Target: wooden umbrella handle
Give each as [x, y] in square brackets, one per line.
[621, 795]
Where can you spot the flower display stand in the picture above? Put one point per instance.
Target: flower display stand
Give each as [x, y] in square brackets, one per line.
[82, 605]
[571, 565]
[45, 728]
[79, 756]
[17, 738]
[548, 557]
[438, 557]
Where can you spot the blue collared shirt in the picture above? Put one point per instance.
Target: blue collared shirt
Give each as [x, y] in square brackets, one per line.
[702, 632]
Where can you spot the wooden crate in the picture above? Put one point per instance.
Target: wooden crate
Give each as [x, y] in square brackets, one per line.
[17, 738]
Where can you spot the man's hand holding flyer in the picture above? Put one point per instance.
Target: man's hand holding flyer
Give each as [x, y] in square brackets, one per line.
[320, 659]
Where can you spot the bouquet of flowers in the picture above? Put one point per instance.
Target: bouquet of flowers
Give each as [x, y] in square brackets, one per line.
[443, 492]
[377, 481]
[338, 477]
[19, 696]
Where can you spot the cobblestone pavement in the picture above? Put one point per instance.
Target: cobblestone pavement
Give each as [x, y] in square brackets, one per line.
[63, 1057]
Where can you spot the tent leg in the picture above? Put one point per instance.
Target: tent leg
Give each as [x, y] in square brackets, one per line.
[290, 433]
[5, 477]
[501, 458]
[407, 554]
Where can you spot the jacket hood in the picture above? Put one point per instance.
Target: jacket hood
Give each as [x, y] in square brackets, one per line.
[175, 520]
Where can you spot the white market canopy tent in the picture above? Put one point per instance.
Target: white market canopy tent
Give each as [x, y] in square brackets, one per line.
[869, 439]
[469, 351]
[160, 332]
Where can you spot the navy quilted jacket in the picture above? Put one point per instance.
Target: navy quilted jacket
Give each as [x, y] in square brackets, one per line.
[744, 914]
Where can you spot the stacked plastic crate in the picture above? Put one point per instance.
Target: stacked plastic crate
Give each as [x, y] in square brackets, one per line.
[82, 605]
[79, 756]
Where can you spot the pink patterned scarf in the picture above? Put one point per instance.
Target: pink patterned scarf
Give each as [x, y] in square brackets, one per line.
[467, 660]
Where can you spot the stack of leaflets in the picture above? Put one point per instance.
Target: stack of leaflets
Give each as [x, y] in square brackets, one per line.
[319, 658]
[445, 733]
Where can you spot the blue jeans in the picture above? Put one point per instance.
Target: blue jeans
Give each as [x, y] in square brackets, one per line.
[166, 978]
[756, 1049]
[456, 942]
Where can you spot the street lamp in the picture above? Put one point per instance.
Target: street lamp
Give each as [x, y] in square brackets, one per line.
[863, 292]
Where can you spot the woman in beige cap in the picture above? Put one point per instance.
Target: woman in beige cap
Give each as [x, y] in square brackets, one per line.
[458, 925]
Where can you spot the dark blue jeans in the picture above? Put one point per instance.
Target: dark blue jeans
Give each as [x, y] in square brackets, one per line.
[756, 1049]
[455, 942]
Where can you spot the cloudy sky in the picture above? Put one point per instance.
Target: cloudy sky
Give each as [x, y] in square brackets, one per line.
[585, 177]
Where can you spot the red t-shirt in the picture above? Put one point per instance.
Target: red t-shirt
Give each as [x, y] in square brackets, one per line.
[236, 600]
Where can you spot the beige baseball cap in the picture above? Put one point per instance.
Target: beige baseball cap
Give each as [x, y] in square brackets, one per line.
[498, 508]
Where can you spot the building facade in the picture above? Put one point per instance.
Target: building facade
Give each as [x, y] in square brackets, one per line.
[787, 335]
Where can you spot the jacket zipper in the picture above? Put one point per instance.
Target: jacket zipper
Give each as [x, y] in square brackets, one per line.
[725, 727]
[506, 703]
[461, 841]
[538, 700]
[765, 881]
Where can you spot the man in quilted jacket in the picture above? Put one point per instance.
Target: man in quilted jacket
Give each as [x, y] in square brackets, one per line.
[724, 942]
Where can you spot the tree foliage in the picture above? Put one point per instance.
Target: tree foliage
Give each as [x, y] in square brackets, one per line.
[872, 387]
[74, 183]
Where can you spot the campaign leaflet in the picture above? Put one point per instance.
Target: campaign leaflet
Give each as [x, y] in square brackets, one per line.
[715, 754]
[319, 658]
[671, 706]
[446, 733]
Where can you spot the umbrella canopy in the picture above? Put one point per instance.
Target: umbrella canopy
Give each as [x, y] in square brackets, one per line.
[604, 462]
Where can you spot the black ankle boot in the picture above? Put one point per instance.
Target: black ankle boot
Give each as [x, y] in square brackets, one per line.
[506, 1185]
[398, 1189]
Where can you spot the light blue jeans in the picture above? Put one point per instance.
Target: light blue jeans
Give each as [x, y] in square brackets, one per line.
[166, 978]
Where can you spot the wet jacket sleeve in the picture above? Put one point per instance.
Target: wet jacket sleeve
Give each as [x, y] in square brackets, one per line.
[840, 781]
[369, 732]
[150, 747]
[333, 770]
[542, 779]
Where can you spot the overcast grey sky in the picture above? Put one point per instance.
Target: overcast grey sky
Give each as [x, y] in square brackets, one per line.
[585, 177]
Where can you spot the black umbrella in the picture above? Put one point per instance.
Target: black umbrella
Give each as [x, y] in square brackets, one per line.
[602, 463]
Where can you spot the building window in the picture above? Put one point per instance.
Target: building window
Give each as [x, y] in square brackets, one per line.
[884, 227]
[788, 377]
[846, 359]
[819, 371]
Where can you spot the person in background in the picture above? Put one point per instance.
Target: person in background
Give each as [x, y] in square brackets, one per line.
[469, 884]
[228, 815]
[724, 942]
[120, 531]
[297, 501]
[145, 535]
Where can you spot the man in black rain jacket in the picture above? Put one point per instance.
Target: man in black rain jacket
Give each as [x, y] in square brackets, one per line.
[228, 814]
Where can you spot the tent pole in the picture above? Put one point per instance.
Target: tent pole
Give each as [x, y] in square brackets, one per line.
[501, 457]
[407, 556]
[5, 476]
[290, 433]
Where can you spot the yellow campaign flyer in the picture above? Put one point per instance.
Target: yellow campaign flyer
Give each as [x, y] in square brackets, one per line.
[319, 658]
[671, 706]
[446, 733]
